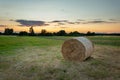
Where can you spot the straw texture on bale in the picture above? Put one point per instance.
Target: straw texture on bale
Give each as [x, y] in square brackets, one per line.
[77, 49]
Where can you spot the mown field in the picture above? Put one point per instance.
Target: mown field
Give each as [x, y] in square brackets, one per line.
[40, 58]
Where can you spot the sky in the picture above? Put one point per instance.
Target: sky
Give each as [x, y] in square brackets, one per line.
[55, 15]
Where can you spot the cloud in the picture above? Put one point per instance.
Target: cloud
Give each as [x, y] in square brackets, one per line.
[3, 25]
[31, 23]
[61, 23]
[115, 20]
[71, 22]
[63, 27]
[100, 21]
[80, 20]
[64, 22]
[57, 21]
[97, 21]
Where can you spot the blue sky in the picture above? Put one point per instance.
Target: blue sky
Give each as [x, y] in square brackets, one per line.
[59, 9]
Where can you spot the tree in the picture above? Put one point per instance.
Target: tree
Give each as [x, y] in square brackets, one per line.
[8, 31]
[31, 30]
[48, 34]
[90, 33]
[23, 33]
[61, 33]
[43, 32]
[75, 33]
[0, 33]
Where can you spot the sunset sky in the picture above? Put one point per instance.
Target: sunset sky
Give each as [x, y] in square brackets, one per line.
[55, 15]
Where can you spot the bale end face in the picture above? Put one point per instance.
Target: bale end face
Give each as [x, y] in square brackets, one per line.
[77, 49]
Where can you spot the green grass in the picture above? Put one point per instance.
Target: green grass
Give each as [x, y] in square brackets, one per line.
[8, 43]
[27, 41]
[106, 40]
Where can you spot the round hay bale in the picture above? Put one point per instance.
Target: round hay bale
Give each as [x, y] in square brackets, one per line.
[77, 49]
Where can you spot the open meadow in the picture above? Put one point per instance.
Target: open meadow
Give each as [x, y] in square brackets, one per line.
[40, 58]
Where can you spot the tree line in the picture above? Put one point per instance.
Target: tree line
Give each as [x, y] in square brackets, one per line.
[9, 31]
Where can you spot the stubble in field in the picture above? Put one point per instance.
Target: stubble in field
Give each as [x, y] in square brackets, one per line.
[35, 63]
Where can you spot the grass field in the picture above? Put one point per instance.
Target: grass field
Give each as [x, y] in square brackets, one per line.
[40, 58]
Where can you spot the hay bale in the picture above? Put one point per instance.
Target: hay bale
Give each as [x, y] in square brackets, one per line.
[77, 49]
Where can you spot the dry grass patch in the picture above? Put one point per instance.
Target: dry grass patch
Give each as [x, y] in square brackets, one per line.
[106, 63]
[47, 63]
